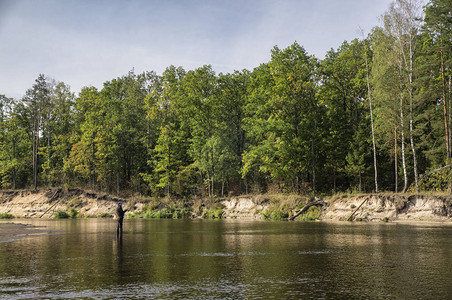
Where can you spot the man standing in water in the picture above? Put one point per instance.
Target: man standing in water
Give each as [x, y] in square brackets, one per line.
[120, 214]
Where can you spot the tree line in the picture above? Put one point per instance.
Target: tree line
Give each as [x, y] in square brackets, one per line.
[373, 115]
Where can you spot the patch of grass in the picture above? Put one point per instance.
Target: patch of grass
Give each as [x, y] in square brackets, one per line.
[275, 215]
[279, 215]
[214, 212]
[159, 214]
[282, 205]
[133, 215]
[312, 214]
[105, 215]
[171, 211]
[6, 216]
[61, 214]
[73, 213]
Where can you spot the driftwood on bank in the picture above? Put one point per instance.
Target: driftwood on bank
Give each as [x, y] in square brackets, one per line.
[50, 200]
[351, 216]
[306, 207]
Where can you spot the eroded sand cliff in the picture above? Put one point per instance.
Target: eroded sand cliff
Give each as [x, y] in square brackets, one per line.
[369, 207]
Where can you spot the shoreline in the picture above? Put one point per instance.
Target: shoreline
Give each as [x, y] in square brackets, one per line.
[392, 208]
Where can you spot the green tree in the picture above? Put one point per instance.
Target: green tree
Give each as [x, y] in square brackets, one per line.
[230, 100]
[170, 150]
[37, 100]
[14, 143]
[343, 92]
[284, 128]
[438, 51]
[82, 163]
[198, 105]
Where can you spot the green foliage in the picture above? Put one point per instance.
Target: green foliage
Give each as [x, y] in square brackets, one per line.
[61, 215]
[275, 215]
[215, 212]
[170, 211]
[73, 213]
[312, 214]
[282, 115]
[437, 181]
[6, 216]
[108, 215]
[293, 124]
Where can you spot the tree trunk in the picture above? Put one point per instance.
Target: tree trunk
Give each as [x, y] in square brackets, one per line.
[360, 181]
[405, 177]
[212, 186]
[449, 107]
[371, 123]
[167, 172]
[395, 161]
[35, 151]
[93, 164]
[334, 180]
[402, 134]
[14, 167]
[313, 152]
[48, 149]
[443, 79]
[410, 91]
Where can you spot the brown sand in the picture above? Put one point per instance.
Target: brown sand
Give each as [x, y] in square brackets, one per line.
[13, 231]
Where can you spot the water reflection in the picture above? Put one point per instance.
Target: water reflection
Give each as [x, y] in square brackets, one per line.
[228, 259]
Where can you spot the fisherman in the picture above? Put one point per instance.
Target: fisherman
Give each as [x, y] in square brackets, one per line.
[120, 214]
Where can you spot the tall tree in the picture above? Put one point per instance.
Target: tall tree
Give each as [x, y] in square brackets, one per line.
[369, 98]
[286, 145]
[344, 90]
[438, 25]
[37, 99]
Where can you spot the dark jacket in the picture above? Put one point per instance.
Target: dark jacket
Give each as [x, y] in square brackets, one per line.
[120, 213]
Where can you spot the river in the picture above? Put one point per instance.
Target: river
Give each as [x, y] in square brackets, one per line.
[228, 259]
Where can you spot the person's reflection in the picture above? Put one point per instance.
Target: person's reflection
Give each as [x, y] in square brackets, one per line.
[119, 255]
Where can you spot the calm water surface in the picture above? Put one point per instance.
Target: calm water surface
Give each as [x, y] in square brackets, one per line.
[199, 259]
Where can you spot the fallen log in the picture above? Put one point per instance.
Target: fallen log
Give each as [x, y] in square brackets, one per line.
[351, 216]
[50, 200]
[306, 207]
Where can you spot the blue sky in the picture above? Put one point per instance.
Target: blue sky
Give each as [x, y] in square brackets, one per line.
[84, 43]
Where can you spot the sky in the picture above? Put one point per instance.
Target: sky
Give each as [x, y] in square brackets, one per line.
[85, 43]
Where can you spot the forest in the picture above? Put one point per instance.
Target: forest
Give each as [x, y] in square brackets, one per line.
[373, 115]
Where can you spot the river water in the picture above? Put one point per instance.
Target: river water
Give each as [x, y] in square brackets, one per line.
[204, 259]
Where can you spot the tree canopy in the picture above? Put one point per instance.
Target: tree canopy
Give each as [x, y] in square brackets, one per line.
[293, 124]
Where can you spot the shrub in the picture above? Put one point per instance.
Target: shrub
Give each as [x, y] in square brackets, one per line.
[266, 214]
[105, 215]
[61, 215]
[73, 213]
[278, 215]
[6, 216]
[312, 214]
[133, 215]
[159, 214]
[275, 215]
[213, 213]
[181, 213]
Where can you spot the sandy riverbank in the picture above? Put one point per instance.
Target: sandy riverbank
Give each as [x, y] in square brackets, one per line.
[14, 231]
[382, 207]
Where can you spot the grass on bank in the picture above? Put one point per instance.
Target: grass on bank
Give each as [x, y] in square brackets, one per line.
[6, 216]
[280, 207]
[61, 214]
[162, 210]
